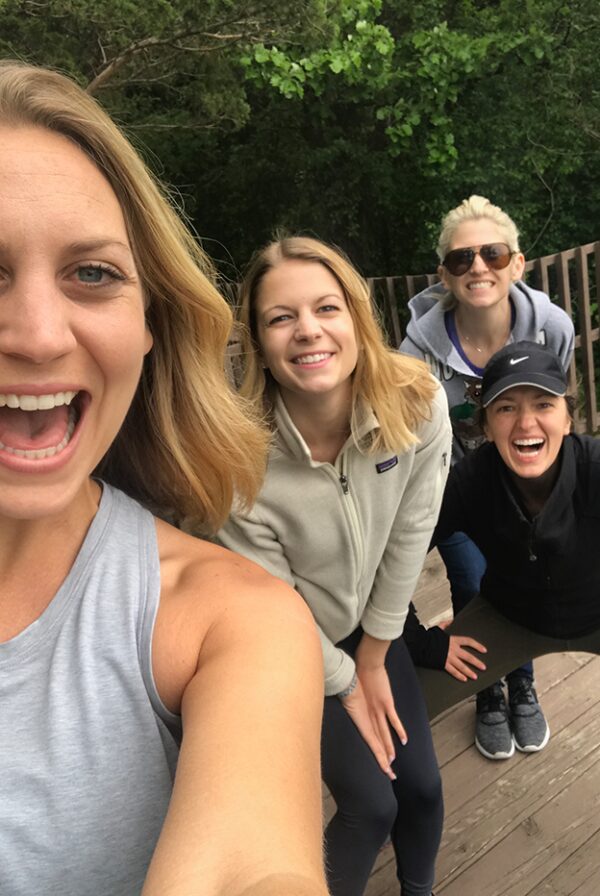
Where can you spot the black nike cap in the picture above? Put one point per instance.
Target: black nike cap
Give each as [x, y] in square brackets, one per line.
[522, 364]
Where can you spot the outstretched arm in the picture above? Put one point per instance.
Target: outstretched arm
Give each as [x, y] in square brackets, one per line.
[245, 814]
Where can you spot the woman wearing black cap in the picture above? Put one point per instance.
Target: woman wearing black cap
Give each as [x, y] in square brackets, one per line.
[480, 305]
[530, 500]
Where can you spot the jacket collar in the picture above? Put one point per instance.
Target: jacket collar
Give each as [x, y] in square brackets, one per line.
[291, 441]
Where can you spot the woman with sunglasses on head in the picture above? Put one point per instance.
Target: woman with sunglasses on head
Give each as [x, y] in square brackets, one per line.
[147, 719]
[361, 443]
[530, 499]
[480, 305]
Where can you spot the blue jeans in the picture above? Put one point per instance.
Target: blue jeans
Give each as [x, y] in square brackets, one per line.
[465, 566]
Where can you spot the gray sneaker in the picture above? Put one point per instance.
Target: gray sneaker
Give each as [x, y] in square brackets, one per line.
[493, 737]
[529, 726]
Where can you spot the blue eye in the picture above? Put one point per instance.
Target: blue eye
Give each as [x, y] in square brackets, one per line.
[95, 274]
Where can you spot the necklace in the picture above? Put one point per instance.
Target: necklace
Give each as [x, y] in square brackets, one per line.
[463, 335]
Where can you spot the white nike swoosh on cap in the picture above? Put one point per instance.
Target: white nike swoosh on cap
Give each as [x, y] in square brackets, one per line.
[518, 360]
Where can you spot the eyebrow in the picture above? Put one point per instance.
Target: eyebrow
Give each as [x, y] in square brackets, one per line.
[95, 244]
[327, 295]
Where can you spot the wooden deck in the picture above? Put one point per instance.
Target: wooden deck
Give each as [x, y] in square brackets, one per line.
[527, 826]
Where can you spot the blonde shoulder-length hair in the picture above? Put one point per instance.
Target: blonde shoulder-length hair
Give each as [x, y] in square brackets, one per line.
[188, 443]
[398, 388]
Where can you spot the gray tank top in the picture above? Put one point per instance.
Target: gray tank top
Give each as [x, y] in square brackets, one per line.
[87, 749]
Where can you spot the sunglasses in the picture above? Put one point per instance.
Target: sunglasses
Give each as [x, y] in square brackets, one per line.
[495, 255]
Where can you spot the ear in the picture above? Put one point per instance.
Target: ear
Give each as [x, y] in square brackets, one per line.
[443, 275]
[148, 340]
[517, 266]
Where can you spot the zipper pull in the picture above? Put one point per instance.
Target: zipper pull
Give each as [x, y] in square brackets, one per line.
[344, 484]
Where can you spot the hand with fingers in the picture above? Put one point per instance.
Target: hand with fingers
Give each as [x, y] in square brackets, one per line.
[374, 731]
[371, 704]
[460, 662]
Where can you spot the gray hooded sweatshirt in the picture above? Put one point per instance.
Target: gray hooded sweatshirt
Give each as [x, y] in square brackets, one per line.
[535, 318]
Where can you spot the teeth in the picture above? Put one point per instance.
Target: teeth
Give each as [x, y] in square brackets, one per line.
[36, 402]
[37, 454]
[527, 442]
[312, 359]
[479, 284]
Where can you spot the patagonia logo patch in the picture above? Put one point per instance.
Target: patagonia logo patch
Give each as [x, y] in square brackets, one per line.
[386, 465]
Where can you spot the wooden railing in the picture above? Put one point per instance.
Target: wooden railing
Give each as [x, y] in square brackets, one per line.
[571, 279]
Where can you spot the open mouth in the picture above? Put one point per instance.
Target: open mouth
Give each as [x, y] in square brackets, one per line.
[528, 447]
[39, 426]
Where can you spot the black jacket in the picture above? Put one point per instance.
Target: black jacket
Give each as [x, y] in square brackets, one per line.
[427, 646]
[543, 573]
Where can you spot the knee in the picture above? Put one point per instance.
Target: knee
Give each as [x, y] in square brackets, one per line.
[373, 816]
[421, 790]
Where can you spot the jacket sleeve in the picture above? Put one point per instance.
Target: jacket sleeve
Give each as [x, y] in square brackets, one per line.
[409, 539]
[427, 646]
[257, 541]
[452, 517]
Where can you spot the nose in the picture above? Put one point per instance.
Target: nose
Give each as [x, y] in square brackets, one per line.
[526, 419]
[35, 321]
[479, 264]
[308, 326]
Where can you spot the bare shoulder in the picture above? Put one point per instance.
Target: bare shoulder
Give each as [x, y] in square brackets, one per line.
[214, 599]
[213, 579]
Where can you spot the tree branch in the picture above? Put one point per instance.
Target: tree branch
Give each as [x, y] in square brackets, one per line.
[152, 43]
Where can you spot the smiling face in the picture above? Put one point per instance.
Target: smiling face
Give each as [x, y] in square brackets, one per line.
[527, 426]
[72, 331]
[305, 331]
[481, 286]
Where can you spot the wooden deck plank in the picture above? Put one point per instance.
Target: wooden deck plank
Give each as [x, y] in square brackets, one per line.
[529, 826]
[534, 814]
[575, 876]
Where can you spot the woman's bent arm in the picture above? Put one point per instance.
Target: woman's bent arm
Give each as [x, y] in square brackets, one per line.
[245, 814]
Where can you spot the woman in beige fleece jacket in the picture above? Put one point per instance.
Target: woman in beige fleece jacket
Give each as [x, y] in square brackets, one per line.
[359, 458]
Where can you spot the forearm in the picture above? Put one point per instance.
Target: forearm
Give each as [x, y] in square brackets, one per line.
[427, 647]
[371, 652]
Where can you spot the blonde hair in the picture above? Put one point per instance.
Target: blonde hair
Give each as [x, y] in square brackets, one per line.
[398, 388]
[188, 443]
[472, 209]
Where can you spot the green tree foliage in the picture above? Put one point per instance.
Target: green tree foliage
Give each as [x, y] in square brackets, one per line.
[159, 64]
[362, 121]
[453, 98]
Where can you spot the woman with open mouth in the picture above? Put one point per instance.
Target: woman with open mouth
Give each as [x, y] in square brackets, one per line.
[530, 500]
[147, 721]
[480, 305]
[359, 458]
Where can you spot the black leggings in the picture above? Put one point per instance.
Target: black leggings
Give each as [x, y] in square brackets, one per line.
[370, 806]
[508, 644]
